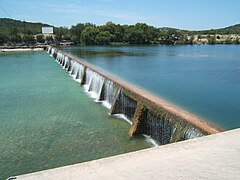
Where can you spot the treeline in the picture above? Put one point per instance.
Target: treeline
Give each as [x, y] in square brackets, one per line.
[14, 31]
[111, 33]
[235, 29]
[141, 33]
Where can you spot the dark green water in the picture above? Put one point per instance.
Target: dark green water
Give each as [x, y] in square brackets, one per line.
[202, 79]
[47, 120]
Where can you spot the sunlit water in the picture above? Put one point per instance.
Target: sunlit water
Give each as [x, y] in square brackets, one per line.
[202, 79]
[47, 120]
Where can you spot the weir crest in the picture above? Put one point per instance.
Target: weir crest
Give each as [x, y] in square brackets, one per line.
[149, 115]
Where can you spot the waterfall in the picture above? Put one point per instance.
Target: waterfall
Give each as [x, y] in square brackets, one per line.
[62, 59]
[165, 128]
[58, 57]
[124, 105]
[108, 92]
[52, 51]
[192, 132]
[73, 70]
[94, 83]
[80, 72]
[88, 77]
[158, 128]
[49, 49]
[152, 120]
[65, 62]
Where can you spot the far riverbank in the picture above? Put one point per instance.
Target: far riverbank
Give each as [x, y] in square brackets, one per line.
[21, 48]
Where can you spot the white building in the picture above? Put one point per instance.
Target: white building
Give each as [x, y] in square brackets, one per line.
[47, 30]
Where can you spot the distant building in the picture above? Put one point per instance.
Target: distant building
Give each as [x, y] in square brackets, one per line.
[47, 30]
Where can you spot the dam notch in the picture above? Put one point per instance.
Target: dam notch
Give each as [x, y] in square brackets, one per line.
[148, 114]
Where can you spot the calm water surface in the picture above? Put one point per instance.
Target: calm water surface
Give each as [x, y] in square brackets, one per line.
[203, 79]
[47, 120]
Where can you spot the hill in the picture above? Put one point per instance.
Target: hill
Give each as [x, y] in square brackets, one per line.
[16, 31]
[235, 29]
[11, 26]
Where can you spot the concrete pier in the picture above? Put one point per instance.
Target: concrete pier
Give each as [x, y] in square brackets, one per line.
[215, 156]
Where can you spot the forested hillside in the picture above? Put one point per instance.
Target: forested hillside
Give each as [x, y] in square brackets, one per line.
[15, 31]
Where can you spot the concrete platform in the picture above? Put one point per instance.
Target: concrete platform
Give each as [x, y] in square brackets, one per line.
[211, 157]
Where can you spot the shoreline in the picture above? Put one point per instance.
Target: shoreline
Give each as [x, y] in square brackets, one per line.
[21, 49]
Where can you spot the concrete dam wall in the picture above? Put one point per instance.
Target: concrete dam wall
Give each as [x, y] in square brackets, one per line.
[149, 115]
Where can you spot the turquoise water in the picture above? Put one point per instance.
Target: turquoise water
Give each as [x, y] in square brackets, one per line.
[47, 120]
[202, 79]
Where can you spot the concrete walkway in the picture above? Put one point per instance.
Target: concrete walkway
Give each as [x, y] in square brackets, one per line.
[211, 157]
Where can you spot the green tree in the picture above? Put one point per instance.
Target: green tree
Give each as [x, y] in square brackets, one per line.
[14, 31]
[172, 36]
[16, 39]
[88, 35]
[191, 40]
[40, 38]
[237, 41]
[228, 41]
[140, 33]
[61, 33]
[103, 38]
[211, 39]
[29, 39]
[116, 30]
[76, 31]
[3, 39]
[49, 39]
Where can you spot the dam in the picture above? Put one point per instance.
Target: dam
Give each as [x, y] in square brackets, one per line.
[148, 114]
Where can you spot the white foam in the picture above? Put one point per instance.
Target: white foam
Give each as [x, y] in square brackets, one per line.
[122, 116]
[73, 76]
[106, 104]
[86, 87]
[151, 141]
[93, 94]
[148, 138]
[78, 80]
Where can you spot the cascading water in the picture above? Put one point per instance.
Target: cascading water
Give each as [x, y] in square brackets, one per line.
[96, 84]
[88, 77]
[192, 132]
[159, 129]
[73, 70]
[160, 125]
[62, 60]
[52, 51]
[49, 49]
[108, 92]
[66, 64]
[65, 59]
[124, 105]
[79, 75]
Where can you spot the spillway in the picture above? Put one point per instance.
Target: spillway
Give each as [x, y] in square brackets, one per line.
[148, 114]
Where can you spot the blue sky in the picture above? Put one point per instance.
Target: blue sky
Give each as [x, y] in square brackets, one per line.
[183, 14]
